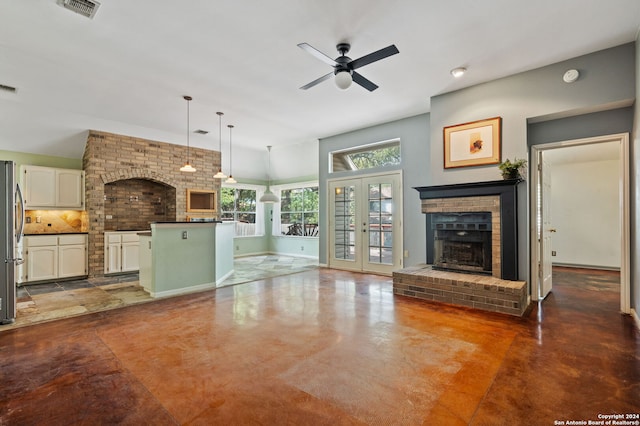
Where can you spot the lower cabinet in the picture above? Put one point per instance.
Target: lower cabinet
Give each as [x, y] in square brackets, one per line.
[49, 257]
[121, 252]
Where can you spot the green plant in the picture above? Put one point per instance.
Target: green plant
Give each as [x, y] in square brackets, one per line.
[512, 169]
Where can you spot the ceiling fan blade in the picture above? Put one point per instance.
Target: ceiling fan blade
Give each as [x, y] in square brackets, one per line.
[318, 54]
[372, 57]
[317, 81]
[367, 84]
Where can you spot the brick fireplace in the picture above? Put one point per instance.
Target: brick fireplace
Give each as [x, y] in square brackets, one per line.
[137, 181]
[472, 248]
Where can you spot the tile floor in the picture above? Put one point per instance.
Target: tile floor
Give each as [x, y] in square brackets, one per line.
[49, 301]
[327, 347]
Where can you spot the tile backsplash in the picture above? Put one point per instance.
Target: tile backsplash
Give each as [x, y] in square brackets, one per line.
[55, 221]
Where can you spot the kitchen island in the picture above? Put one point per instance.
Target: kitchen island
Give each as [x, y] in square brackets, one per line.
[183, 257]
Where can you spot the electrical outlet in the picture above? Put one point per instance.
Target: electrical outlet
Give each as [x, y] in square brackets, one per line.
[237, 247]
[301, 248]
[406, 253]
[553, 253]
[185, 235]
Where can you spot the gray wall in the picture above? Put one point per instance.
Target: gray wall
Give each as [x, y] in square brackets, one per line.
[607, 79]
[601, 123]
[414, 145]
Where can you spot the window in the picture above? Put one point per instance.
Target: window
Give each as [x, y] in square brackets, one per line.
[239, 205]
[366, 157]
[299, 212]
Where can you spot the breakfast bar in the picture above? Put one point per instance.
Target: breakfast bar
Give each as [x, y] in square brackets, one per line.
[183, 257]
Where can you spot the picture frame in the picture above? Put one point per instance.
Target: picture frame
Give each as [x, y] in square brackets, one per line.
[476, 143]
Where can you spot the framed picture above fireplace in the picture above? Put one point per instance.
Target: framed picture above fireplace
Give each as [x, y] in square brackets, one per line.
[473, 144]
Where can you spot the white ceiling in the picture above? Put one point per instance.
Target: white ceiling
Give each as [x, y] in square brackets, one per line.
[126, 70]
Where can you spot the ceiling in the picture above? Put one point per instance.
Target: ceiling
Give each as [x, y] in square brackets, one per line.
[127, 69]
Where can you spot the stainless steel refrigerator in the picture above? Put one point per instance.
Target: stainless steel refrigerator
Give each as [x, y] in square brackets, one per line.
[12, 222]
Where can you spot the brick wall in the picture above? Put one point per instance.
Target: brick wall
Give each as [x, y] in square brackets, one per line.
[111, 158]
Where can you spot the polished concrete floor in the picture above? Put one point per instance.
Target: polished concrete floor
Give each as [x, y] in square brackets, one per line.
[327, 347]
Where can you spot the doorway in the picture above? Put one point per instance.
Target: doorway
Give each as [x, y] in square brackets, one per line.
[543, 228]
[365, 223]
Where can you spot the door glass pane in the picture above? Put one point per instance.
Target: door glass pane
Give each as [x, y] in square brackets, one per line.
[344, 218]
[380, 223]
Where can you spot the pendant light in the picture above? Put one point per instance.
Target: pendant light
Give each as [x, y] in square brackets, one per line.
[188, 167]
[268, 196]
[220, 175]
[231, 179]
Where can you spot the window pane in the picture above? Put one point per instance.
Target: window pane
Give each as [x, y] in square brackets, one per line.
[285, 200]
[367, 157]
[310, 199]
[227, 199]
[299, 211]
[246, 200]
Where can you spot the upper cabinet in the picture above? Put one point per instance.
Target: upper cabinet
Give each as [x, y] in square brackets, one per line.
[49, 188]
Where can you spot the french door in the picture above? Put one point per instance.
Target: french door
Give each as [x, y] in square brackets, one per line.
[365, 223]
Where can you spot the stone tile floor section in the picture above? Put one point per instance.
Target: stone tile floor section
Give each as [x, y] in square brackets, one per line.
[50, 301]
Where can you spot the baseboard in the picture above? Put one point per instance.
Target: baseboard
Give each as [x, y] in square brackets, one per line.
[635, 317]
[221, 279]
[576, 266]
[180, 291]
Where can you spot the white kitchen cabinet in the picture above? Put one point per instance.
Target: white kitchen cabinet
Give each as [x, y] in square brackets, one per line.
[42, 263]
[121, 252]
[51, 188]
[49, 257]
[72, 256]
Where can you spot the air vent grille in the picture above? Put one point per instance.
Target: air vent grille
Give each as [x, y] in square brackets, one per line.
[86, 8]
[6, 88]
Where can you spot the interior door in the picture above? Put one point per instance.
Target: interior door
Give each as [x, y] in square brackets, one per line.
[365, 224]
[545, 228]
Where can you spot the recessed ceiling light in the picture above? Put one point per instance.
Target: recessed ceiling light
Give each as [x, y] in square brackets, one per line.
[458, 72]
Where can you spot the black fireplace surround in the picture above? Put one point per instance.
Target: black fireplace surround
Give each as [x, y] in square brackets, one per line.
[507, 191]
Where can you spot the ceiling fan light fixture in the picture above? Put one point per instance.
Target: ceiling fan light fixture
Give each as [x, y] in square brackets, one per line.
[343, 79]
[458, 72]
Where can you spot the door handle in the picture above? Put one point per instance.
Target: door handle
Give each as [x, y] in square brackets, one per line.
[553, 230]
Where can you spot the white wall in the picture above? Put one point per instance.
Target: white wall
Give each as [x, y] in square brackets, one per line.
[585, 207]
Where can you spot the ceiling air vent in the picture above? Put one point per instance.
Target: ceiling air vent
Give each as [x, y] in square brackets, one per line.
[6, 88]
[86, 8]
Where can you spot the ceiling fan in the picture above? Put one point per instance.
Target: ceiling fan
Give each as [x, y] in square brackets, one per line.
[344, 67]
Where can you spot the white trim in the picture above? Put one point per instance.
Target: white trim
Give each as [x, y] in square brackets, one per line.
[285, 186]
[221, 279]
[186, 290]
[625, 223]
